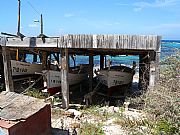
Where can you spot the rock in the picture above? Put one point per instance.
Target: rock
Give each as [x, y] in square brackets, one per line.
[113, 130]
[77, 114]
[68, 114]
[126, 104]
[134, 115]
[111, 110]
[50, 100]
[116, 109]
[74, 125]
[110, 121]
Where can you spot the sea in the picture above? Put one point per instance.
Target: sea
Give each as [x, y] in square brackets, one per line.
[168, 48]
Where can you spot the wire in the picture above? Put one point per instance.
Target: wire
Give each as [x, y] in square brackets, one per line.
[36, 11]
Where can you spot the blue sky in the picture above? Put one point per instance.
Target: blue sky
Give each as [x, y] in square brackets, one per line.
[159, 17]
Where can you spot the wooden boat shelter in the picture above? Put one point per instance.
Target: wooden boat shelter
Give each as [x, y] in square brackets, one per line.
[147, 47]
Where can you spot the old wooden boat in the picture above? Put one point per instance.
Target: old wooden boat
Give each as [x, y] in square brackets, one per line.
[53, 79]
[24, 68]
[116, 76]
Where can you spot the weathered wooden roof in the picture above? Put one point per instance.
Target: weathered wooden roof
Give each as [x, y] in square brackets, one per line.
[135, 42]
[15, 106]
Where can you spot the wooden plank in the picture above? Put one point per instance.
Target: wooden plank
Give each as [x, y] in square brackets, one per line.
[140, 42]
[64, 78]
[2, 41]
[7, 69]
[32, 42]
[158, 44]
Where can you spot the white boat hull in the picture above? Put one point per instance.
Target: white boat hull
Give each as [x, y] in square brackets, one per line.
[112, 78]
[23, 68]
[53, 78]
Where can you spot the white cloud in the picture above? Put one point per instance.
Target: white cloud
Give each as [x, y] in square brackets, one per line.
[68, 15]
[33, 25]
[156, 4]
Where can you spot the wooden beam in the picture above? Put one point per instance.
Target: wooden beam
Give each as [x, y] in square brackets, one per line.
[64, 78]
[91, 72]
[101, 61]
[7, 69]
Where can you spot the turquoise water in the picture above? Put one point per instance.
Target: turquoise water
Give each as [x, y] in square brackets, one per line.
[168, 47]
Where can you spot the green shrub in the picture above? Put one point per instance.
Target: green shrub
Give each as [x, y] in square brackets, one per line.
[164, 127]
[91, 129]
[35, 93]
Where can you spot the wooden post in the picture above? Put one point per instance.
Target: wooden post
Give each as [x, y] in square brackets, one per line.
[44, 60]
[1, 68]
[154, 69]
[7, 69]
[90, 72]
[64, 78]
[35, 58]
[105, 61]
[101, 61]
[58, 57]
[144, 69]
[157, 67]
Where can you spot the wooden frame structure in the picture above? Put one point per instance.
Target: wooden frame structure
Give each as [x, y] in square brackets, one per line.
[148, 47]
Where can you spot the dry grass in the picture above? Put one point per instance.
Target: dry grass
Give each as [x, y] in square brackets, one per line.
[162, 102]
[91, 129]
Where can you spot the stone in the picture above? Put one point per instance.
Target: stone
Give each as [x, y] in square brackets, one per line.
[75, 112]
[114, 130]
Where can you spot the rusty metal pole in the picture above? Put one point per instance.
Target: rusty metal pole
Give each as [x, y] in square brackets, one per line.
[19, 15]
[41, 24]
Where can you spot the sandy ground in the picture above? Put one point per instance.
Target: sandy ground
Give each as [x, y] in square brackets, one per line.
[63, 124]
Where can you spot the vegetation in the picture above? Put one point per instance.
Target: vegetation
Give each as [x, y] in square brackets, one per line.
[162, 103]
[91, 129]
[35, 93]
